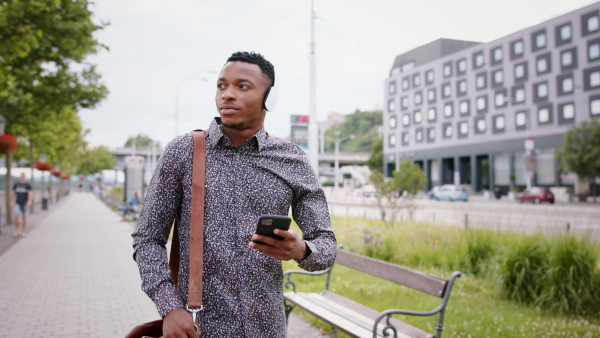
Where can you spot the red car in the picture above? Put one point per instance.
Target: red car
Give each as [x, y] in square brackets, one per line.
[535, 195]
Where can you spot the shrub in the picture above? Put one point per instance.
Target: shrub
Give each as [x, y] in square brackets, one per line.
[480, 248]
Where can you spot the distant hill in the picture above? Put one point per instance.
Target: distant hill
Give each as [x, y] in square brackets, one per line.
[363, 125]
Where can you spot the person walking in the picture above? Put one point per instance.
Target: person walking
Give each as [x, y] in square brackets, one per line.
[249, 173]
[21, 198]
[132, 205]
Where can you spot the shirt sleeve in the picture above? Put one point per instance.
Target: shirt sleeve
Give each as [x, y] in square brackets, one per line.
[150, 237]
[311, 213]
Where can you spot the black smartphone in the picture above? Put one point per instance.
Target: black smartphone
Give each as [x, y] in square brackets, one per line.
[267, 223]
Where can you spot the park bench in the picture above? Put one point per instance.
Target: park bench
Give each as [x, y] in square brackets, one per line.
[358, 320]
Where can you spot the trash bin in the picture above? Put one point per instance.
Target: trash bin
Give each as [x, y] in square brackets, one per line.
[44, 204]
[497, 193]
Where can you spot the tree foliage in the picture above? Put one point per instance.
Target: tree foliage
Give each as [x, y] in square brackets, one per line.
[363, 125]
[398, 192]
[141, 141]
[580, 151]
[375, 161]
[95, 159]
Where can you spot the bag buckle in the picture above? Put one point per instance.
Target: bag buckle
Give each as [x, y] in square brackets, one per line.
[194, 312]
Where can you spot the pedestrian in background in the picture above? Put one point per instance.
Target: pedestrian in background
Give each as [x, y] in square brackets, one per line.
[132, 204]
[21, 198]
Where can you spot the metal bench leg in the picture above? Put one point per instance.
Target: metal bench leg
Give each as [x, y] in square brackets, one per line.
[288, 310]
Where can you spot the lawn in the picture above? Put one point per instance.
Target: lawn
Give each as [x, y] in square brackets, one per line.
[479, 305]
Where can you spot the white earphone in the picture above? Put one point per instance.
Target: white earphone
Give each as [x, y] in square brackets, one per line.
[271, 98]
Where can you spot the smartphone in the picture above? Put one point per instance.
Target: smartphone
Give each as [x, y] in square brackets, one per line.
[267, 223]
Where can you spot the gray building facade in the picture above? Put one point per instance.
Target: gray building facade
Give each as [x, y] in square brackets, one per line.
[463, 110]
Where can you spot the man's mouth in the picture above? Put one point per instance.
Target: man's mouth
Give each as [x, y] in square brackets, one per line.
[228, 109]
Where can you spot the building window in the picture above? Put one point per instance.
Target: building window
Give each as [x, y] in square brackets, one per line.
[566, 113]
[591, 78]
[392, 140]
[540, 92]
[481, 81]
[482, 106]
[431, 95]
[405, 138]
[447, 70]
[416, 80]
[392, 88]
[446, 90]
[405, 83]
[518, 94]
[393, 122]
[590, 23]
[461, 87]
[521, 72]
[391, 105]
[565, 84]
[499, 124]
[543, 64]
[461, 67]
[545, 115]
[429, 77]
[568, 59]
[516, 49]
[521, 118]
[406, 120]
[563, 34]
[463, 108]
[431, 115]
[480, 125]
[417, 117]
[539, 40]
[430, 134]
[593, 50]
[500, 98]
[419, 135]
[404, 102]
[447, 130]
[463, 129]
[418, 98]
[478, 60]
[496, 56]
[448, 109]
[595, 105]
[497, 78]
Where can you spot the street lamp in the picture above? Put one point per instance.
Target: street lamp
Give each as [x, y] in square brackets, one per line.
[338, 140]
[42, 159]
[191, 77]
[2, 124]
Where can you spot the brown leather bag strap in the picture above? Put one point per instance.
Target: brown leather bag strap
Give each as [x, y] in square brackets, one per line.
[197, 219]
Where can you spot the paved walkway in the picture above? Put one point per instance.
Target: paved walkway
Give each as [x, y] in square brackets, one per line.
[74, 276]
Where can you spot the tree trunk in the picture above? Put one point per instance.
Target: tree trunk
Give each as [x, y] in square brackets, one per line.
[31, 165]
[8, 188]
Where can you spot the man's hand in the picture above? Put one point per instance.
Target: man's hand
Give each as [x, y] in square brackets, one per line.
[291, 247]
[178, 324]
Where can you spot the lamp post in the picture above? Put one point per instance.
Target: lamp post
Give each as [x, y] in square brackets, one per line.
[8, 216]
[338, 140]
[42, 159]
[191, 77]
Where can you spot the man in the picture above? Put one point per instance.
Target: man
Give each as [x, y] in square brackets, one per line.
[249, 173]
[22, 196]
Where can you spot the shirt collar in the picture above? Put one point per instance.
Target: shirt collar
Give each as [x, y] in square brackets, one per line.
[216, 136]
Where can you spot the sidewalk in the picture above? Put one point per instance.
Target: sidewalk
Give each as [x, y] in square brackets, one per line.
[74, 276]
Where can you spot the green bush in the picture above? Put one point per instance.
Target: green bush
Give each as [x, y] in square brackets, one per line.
[480, 248]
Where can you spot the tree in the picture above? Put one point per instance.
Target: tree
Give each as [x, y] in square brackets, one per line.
[94, 160]
[141, 141]
[400, 190]
[375, 161]
[580, 152]
[363, 125]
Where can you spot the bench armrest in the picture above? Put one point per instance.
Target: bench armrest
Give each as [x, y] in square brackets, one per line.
[290, 283]
[441, 309]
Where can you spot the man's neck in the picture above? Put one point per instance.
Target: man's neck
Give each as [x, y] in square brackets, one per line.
[238, 137]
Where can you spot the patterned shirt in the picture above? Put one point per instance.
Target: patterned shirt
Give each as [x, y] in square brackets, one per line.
[242, 287]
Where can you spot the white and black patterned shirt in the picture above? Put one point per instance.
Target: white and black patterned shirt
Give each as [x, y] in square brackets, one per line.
[242, 287]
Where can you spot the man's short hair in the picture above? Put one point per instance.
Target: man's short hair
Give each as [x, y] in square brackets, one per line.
[266, 67]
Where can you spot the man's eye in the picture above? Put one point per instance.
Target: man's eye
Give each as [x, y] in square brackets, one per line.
[220, 85]
[244, 86]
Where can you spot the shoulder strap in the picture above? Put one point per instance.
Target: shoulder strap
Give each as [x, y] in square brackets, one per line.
[196, 224]
[197, 219]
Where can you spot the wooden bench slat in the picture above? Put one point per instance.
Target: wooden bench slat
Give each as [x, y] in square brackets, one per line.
[414, 279]
[328, 316]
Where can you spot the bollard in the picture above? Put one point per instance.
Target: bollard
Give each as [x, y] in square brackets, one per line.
[568, 227]
[466, 221]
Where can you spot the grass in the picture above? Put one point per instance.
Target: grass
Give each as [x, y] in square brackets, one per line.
[513, 285]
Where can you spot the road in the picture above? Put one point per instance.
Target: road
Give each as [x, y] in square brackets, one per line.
[500, 215]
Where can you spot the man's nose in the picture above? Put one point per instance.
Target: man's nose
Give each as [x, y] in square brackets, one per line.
[228, 94]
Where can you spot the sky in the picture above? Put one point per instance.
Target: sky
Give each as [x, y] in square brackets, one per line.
[165, 56]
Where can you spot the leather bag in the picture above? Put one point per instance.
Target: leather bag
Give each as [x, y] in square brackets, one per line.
[154, 328]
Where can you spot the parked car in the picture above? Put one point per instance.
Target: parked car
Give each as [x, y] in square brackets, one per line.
[366, 191]
[450, 193]
[536, 195]
[431, 193]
